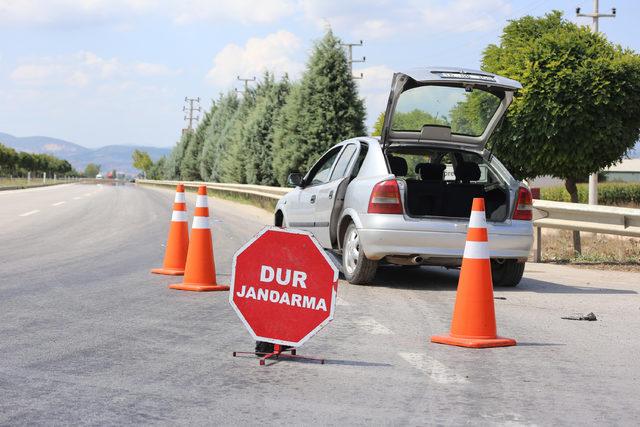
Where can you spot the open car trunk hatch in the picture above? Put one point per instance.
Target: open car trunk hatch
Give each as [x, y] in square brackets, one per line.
[447, 105]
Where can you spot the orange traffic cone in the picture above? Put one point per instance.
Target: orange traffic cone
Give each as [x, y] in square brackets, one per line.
[474, 319]
[200, 272]
[178, 241]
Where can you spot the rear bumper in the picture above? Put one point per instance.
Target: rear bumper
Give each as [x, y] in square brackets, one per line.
[380, 237]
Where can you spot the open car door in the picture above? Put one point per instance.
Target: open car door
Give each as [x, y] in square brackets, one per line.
[331, 196]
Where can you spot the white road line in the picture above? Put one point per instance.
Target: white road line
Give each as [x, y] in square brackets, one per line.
[30, 213]
[77, 198]
[372, 326]
[58, 204]
[436, 370]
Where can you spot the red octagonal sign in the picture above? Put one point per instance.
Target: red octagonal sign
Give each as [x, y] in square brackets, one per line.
[283, 286]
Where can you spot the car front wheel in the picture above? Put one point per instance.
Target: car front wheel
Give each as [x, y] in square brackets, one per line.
[506, 272]
[358, 269]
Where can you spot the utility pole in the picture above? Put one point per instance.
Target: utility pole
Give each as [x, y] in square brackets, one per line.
[350, 59]
[246, 83]
[593, 178]
[193, 104]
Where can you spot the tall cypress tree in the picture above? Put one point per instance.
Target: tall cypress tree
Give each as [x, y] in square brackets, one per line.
[259, 129]
[323, 110]
[190, 167]
[216, 137]
[233, 163]
[173, 164]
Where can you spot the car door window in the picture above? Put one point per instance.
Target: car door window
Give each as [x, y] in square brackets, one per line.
[343, 162]
[321, 172]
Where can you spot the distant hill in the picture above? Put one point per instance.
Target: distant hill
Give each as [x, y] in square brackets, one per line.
[111, 157]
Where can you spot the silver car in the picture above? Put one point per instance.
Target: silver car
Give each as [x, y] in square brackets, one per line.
[405, 198]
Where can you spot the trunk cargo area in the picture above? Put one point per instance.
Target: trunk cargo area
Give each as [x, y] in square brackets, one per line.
[453, 199]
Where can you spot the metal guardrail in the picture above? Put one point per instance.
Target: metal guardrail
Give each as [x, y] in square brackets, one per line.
[273, 193]
[547, 214]
[582, 217]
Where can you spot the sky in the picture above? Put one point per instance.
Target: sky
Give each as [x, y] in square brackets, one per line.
[101, 72]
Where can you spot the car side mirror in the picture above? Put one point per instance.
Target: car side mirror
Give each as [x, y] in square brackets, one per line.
[295, 180]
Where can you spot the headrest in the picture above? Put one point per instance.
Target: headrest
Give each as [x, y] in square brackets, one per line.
[430, 171]
[398, 165]
[467, 171]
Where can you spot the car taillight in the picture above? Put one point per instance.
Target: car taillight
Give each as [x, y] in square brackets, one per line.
[524, 205]
[385, 198]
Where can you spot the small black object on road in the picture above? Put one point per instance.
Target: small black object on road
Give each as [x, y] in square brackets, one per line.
[589, 317]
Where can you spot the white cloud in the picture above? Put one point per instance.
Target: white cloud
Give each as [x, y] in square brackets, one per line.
[81, 68]
[275, 52]
[375, 29]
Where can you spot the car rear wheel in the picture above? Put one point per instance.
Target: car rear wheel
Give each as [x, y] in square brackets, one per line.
[357, 268]
[507, 272]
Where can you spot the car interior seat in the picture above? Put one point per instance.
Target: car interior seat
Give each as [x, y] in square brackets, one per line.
[459, 195]
[398, 165]
[425, 195]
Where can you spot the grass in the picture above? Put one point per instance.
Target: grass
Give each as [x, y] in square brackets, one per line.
[599, 250]
[248, 199]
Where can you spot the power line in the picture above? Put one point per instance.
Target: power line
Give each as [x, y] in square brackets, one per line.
[350, 59]
[192, 104]
[595, 16]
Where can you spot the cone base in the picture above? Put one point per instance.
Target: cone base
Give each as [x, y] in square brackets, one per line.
[169, 271]
[198, 287]
[473, 342]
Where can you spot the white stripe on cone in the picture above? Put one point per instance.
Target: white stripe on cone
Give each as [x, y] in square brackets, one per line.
[180, 198]
[179, 216]
[477, 220]
[476, 250]
[201, 202]
[200, 222]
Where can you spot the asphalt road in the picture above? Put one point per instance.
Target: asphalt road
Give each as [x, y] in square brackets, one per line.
[88, 336]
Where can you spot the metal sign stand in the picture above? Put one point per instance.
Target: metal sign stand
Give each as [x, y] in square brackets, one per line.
[278, 352]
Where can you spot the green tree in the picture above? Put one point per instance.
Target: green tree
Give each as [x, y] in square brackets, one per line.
[173, 165]
[141, 161]
[471, 116]
[579, 110]
[410, 120]
[259, 127]
[8, 160]
[322, 110]
[377, 126]
[232, 165]
[156, 171]
[217, 136]
[190, 168]
[91, 170]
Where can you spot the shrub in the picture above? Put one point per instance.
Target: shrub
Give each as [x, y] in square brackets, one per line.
[614, 193]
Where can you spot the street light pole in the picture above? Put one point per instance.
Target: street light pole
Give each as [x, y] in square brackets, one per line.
[593, 178]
